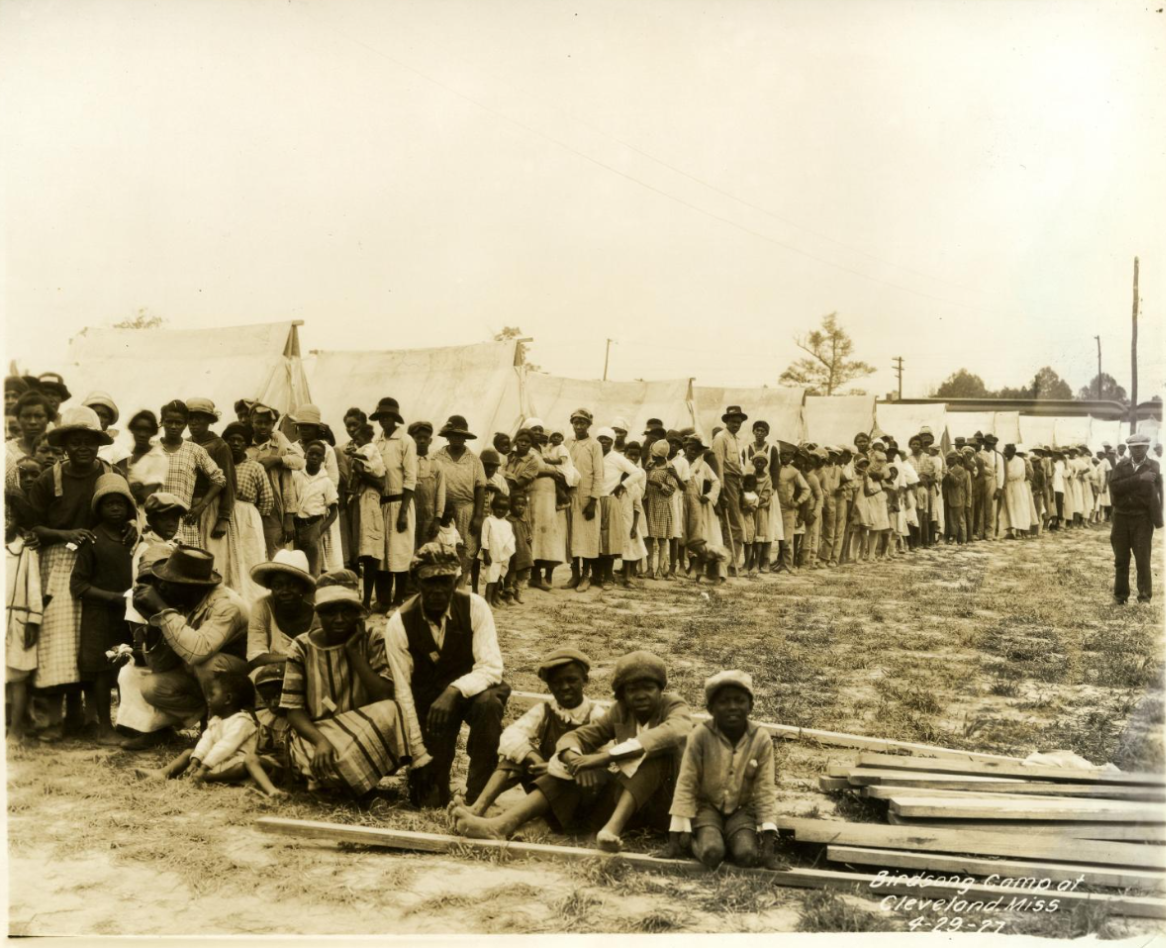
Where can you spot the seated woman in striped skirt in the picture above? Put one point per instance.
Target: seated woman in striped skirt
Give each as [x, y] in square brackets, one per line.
[338, 692]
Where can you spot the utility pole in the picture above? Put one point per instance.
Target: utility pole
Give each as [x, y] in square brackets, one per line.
[1134, 358]
[898, 367]
[1098, 338]
[607, 358]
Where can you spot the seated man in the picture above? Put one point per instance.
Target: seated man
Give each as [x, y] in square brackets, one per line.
[197, 628]
[443, 651]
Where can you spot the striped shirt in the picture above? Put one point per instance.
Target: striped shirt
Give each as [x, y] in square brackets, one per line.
[320, 678]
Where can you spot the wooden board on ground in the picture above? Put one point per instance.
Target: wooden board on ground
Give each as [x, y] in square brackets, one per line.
[1006, 868]
[946, 782]
[1129, 832]
[831, 784]
[989, 807]
[1001, 769]
[977, 841]
[862, 883]
[524, 699]
[1018, 793]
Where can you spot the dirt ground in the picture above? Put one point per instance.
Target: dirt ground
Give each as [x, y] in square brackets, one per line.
[1008, 647]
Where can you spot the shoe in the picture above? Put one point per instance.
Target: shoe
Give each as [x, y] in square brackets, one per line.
[1120, 602]
[573, 582]
[1143, 598]
[582, 586]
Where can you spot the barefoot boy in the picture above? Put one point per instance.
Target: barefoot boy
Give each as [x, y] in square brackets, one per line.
[590, 781]
[725, 794]
[529, 743]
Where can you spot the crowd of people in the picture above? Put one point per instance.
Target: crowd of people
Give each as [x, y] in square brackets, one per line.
[224, 580]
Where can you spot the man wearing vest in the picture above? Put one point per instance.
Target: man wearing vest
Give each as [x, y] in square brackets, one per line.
[447, 668]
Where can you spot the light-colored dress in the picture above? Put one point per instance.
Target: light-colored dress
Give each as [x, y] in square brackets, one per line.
[548, 523]
[631, 500]
[253, 501]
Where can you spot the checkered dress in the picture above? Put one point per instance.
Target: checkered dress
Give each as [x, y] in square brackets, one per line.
[185, 465]
[658, 505]
[60, 631]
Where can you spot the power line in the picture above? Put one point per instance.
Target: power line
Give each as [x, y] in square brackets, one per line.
[650, 187]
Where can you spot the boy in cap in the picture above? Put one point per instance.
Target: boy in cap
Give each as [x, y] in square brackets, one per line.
[588, 780]
[529, 743]
[725, 793]
[271, 449]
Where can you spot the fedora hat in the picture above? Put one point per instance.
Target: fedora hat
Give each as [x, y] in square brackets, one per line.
[734, 411]
[188, 566]
[457, 425]
[307, 415]
[387, 406]
[653, 425]
[49, 380]
[292, 563]
[78, 419]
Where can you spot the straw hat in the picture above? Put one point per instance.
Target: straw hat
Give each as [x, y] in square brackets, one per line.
[78, 419]
[293, 563]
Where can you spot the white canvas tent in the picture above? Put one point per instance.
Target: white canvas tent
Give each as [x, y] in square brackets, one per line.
[1074, 431]
[1005, 425]
[836, 419]
[552, 399]
[1115, 432]
[781, 407]
[1038, 429]
[145, 368]
[479, 382]
[902, 421]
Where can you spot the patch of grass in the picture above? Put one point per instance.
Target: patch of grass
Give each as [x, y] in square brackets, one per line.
[825, 912]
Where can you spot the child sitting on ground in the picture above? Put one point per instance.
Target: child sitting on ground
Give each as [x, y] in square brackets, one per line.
[497, 547]
[23, 613]
[725, 793]
[529, 743]
[102, 574]
[613, 787]
[518, 574]
[225, 752]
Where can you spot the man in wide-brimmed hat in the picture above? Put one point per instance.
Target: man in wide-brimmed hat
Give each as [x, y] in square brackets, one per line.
[585, 521]
[447, 669]
[198, 628]
[727, 451]
[280, 459]
[399, 452]
[53, 387]
[465, 488]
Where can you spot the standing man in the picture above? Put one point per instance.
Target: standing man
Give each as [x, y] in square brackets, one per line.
[830, 477]
[1136, 490]
[279, 459]
[399, 452]
[727, 450]
[465, 487]
[587, 456]
[447, 668]
[989, 487]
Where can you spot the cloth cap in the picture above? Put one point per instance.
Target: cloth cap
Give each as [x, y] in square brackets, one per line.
[560, 657]
[1138, 438]
[760, 423]
[715, 683]
[433, 559]
[238, 428]
[330, 595]
[112, 484]
[161, 501]
[621, 424]
[202, 406]
[260, 409]
[153, 554]
[605, 433]
[637, 665]
[420, 426]
[339, 577]
[104, 399]
[534, 423]
[659, 449]
[292, 563]
[582, 413]
[78, 419]
[695, 439]
[307, 415]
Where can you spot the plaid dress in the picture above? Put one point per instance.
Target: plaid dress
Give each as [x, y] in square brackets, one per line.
[368, 736]
[185, 465]
[658, 503]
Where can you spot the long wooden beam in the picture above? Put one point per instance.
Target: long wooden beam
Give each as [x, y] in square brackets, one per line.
[1005, 868]
[1036, 808]
[862, 883]
[977, 841]
[524, 699]
[920, 781]
[993, 768]
[1018, 793]
[1126, 832]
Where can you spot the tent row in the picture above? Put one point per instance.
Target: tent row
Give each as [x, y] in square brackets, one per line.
[141, 368]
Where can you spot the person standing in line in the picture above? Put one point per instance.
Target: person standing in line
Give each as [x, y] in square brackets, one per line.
[399, 452]
[727, 450]
[586, 519]
[465, 487]
[271, 449]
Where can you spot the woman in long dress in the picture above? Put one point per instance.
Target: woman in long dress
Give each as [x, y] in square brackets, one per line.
[548, 522]
[702, 526]
[253, 501]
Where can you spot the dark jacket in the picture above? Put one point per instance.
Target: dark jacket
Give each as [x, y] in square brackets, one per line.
[1137, 493]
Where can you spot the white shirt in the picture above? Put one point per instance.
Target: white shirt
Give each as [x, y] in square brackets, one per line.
[487, 670]
[316, 493]
[614, 467]
[521, 738]
[227, 738]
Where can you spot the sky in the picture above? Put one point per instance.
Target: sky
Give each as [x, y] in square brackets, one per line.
[964, 184]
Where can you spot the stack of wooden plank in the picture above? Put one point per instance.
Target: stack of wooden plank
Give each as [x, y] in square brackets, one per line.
[1003, 817]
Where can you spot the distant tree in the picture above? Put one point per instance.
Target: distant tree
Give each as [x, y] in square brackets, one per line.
[829, 366]
[140, 320]
[1046, 384]
[962, 384]
[505, 334]
[1109, 389]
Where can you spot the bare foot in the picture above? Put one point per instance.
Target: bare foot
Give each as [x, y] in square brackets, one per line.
[608, 841]
[476, 827]
[143, 773]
